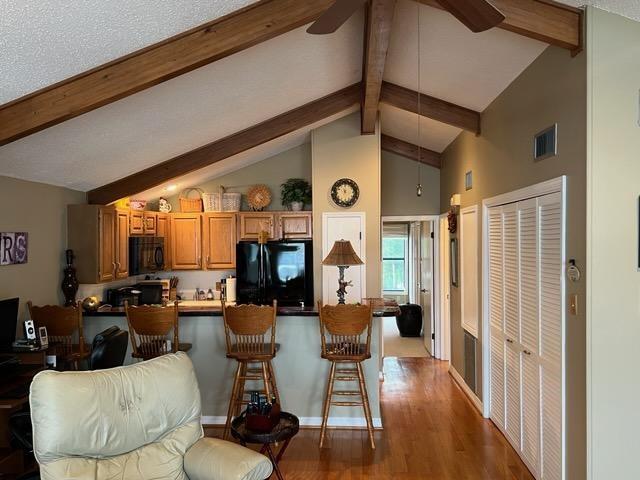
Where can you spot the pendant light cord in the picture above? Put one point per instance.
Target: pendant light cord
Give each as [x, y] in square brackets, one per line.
[419, 102]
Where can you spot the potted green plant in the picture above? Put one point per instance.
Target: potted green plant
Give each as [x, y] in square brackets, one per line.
[294, 193]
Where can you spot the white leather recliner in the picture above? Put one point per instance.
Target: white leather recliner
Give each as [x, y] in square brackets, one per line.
[136, 422]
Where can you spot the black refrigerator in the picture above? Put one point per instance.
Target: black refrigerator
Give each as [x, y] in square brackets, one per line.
[281, 271]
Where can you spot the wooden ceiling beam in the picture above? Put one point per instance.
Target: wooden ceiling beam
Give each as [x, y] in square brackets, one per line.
[409, 150]
[377, 35]
[543, 20]
[431, 107]
[155, 64]
[226, 147]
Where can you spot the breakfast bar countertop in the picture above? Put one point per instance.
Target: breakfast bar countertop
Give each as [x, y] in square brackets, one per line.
[192, 310]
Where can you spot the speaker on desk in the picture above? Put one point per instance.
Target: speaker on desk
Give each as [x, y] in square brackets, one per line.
[29, 331]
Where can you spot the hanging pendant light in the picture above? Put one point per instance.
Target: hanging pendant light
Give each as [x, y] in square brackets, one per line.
[419, 186]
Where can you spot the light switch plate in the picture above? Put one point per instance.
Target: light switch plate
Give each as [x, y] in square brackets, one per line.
[573, 304]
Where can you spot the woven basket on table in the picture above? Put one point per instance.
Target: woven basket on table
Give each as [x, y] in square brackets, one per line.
[190, 204]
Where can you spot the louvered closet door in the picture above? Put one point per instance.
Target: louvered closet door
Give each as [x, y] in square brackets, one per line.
[551, 335]
[529, 331]
[496, 316]
[511, 323]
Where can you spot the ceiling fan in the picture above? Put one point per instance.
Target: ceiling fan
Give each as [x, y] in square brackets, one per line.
[477, 15]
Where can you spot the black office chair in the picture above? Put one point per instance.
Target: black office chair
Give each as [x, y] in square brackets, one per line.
[108, 350]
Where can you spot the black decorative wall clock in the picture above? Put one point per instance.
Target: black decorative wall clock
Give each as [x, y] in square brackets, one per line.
[345, 192]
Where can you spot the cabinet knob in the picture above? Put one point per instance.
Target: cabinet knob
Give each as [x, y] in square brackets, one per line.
[526, 352]
[509, 340]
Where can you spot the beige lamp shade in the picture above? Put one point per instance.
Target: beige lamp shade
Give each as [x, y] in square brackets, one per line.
[342, 254]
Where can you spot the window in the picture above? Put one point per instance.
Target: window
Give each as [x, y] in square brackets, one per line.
[395, 247]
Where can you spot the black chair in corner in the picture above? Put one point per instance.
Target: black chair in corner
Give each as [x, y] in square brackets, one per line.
[108, 350]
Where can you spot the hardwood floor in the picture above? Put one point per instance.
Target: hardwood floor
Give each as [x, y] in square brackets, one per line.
[431, 431]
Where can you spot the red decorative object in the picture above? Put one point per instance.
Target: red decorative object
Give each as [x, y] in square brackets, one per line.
[452, 218]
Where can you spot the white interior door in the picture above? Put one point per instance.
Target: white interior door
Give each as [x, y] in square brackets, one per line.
[525, 257]
[444, 290]
[344, 226]
[425, 262]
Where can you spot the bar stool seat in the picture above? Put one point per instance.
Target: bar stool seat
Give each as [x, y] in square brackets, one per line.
[247, 328]
[342, 328]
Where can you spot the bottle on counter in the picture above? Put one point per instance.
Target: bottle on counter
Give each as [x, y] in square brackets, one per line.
[209, 294]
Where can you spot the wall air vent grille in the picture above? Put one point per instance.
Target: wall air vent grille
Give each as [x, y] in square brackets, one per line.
[545, 143]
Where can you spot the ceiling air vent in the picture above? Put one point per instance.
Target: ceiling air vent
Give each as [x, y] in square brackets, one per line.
[545, 143]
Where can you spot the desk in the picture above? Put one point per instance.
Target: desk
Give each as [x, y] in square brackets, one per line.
[12, 460]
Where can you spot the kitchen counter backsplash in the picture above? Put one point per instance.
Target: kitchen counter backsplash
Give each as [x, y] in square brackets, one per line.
[189, 281]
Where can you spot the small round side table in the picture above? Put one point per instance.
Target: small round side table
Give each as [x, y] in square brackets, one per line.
[284, 431]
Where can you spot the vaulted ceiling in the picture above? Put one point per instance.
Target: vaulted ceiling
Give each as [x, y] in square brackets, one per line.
[43, 44]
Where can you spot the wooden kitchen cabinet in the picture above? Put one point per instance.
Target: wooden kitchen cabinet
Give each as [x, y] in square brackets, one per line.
[91, 234]
[149, 222]
[122, 243]
[163, 226]
[219, 240]
[252, 223]
[295, 225]
[136, 222]
[186, 241]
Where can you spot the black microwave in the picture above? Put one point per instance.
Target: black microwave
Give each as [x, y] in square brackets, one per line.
[146, 255]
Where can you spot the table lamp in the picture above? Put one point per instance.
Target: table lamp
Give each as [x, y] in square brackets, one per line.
[342, 255]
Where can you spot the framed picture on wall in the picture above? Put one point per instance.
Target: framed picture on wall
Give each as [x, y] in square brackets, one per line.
[453, 258]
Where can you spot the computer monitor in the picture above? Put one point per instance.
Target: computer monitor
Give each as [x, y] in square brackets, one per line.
[8, 323]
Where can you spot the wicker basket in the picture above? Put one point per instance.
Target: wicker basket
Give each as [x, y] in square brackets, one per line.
[190, 205]
[222, 202]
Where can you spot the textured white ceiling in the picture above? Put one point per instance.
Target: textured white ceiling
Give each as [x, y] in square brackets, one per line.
[470, 69]
[241, 160]
[232, 94]
[46, 41]
[626, 8]
[190, 110]
[404, 125]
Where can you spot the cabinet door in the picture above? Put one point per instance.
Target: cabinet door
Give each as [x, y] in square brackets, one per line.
[219, 240]
[106, 244]
[186, 241]
[162, 230]
[149, 223]
[512, 399]
[122, 243]
[136, 223]
[295, 225]
[251, 224]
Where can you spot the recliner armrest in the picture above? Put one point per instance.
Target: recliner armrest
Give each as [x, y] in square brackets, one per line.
[215, 459]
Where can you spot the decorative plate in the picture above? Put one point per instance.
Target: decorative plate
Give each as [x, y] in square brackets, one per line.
[258, 197]
[345, 192]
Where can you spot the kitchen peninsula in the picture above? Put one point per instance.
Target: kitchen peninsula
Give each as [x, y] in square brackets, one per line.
[301, 373]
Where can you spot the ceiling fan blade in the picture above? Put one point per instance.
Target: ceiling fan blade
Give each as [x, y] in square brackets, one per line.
[477, 15]
[335, 16]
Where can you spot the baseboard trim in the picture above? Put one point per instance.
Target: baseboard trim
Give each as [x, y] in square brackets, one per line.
[311, 422]
[465, 388]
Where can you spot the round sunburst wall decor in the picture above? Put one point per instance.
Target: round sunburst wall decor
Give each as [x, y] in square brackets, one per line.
[258, 197]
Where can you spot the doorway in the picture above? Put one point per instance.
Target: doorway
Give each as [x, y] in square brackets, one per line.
[410, 275]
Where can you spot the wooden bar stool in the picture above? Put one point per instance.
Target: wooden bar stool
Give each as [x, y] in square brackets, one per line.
[150, 328]
[246, 329]
[63, 325]
[342, 328]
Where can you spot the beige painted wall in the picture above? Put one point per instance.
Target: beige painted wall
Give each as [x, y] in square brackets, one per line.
[399, 181]
[272, 171]
[338, 150]
[613, 308]
[40, 210]
[552, 89]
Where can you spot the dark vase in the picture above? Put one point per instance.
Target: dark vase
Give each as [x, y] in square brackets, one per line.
[70, 281]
